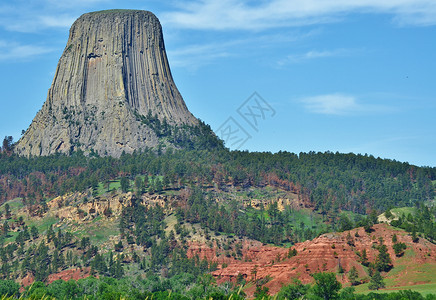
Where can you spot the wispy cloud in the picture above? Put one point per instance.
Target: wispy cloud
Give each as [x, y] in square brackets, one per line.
[340, 104]
[333, 104]
[36, 16]
[198, 55]
[195, 56]
[245, 15]
[27, 23]
[31, 25]
[15, 51]
[315, 54]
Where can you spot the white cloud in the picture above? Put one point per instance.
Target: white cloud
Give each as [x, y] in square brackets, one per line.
[31, 16]
[243, 14]
[342, 104]
[28, 23]
[315, 54]
[14, 51]
[331, 104]
[195, 56]
[198, 55]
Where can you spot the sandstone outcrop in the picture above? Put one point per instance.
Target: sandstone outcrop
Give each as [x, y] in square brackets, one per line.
[112, 75]
[322, 254]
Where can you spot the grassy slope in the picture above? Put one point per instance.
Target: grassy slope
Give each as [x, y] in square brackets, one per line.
[407, 275]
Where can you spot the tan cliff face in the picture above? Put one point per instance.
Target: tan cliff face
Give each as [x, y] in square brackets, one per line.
[114, 68]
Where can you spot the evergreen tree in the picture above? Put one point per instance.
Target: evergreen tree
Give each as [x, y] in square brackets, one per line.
[364, 258]
[125, 184]
[353, 275]
[8, 213]
[55, 261]
[158, 185]
[85, 243]
[383, 261]
[26, 234]
[50, 234]
[166, 182]
[119, 271]
[139, 186]
[345, 223]
[34, 232]
[119, 246]
[5, 228]
[415, 238]
[376, 281]
[399, 249]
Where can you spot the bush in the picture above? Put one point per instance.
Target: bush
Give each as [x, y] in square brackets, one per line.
[296, 290]
[326, 285]
[9, 288]
[399, 249]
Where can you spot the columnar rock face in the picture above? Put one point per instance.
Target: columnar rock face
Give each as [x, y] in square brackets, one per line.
[113, 71]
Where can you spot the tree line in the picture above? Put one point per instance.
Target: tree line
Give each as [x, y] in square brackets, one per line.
[329, 181]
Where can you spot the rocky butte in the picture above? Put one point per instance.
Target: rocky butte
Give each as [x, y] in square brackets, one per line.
[112, 83]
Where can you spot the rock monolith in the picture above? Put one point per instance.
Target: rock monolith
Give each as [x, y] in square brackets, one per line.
[111, 81]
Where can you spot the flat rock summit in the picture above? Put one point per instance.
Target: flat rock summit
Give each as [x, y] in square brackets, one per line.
[112, 83]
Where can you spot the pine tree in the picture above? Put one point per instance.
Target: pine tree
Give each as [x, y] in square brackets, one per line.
[111, 265]
[158, 185]
[166, 182]
[84, 243]
[34, 232]
[5, 228]
[383, 262]
[139, 186]
[125, 184]
[50, 234]
[353, 275]
[364, 258]
[8, 213]
[26, 234]
[399, 248]
[151, 187]
[376, 281]
[119, 271]
[415, 238]
[55, 260]
[119, 246]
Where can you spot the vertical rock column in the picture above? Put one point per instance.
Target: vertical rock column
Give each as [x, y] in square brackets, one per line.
[113, 68]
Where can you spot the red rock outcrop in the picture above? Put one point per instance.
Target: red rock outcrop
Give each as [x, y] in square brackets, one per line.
[65, 275]
[324, 253]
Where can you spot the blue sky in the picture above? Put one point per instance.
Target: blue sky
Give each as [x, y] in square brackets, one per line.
[339, 75]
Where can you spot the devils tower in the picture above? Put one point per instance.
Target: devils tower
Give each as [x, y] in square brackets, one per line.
[112, 82]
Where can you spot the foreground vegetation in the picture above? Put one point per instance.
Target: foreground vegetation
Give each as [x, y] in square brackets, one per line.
[184, 286]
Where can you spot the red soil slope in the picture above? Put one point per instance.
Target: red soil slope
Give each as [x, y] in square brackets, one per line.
[324, 253]
[65, 275]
